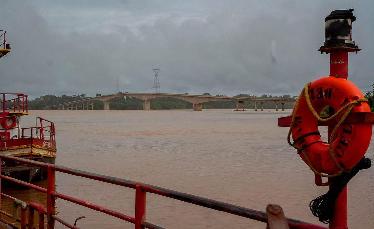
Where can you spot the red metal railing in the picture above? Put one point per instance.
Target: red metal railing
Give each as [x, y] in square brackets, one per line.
[140, 199]
[14, 103]
[43, 135]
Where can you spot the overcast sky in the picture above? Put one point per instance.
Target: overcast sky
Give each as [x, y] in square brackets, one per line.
[216, 46]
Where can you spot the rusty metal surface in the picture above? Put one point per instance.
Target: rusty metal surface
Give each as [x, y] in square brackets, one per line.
[23, 183]
[6, 225]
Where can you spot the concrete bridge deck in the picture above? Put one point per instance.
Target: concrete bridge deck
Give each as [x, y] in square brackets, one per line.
[197, 101]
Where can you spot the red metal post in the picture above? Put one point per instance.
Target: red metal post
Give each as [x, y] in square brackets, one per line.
[339, 64]
[23, 217]
[50, 196]
[339, 69]
[31, 218]
[340, 219]
[1, 169]
[41, 129]
[31, 137]
[41, 220]
[23, 103]
[27, 103]
[140, 207]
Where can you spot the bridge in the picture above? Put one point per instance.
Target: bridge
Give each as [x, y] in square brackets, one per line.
[197, 101]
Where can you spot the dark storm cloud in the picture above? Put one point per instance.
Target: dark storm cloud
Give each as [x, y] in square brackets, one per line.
[221, 47]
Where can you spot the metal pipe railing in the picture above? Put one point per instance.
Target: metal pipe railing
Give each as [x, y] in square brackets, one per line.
[140, 197]
[33, 135]
[16, 102]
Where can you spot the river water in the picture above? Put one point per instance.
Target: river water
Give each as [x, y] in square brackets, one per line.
[237, 157]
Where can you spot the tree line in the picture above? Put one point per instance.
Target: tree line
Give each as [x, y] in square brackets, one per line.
[370, 97]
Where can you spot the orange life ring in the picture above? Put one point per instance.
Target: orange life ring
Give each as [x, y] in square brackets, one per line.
[9, 122]
[347, 144]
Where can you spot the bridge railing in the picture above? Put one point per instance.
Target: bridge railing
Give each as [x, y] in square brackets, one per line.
[43, 133]
[141, 190]
[14, 102]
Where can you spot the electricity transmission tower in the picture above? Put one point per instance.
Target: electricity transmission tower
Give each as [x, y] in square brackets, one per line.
[156, 81]
[117, 85]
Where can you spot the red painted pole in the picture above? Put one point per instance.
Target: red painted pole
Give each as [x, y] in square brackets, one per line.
[340, 219]
[50, 196]
[1, 190]
[339, 69]
[140, 207]
[23, 217]
[339, 64]
[31, 218]
[27, 103]
[41, 220]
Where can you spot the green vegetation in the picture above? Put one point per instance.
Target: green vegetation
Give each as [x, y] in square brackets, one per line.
[122, 104]
[169, 103]
[52, 102]
[219, 105]
[370, 97]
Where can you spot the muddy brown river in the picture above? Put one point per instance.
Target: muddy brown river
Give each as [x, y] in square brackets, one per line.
[237, 157]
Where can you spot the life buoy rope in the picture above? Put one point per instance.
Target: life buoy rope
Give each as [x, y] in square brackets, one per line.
[344, 110]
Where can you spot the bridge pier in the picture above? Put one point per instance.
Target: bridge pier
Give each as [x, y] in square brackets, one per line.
[147, 105]
[282, 106]
[255, 106]
[262, 106]
[276, 106]
[106, 105]
[240, 105]
[197, 106]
